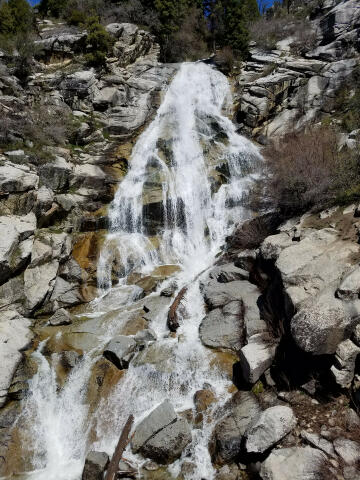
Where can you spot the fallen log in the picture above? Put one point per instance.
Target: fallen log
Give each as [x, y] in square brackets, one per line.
[172, 320]
[123, 441]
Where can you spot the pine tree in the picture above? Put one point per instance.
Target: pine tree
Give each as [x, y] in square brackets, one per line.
[22, 15]
[171, 13]
[236, 34]
[7, 26]
[251, 10]
[54, 8]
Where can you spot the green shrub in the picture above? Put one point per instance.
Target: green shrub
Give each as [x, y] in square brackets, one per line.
[15, 16]
[99, 42]
[76, 18]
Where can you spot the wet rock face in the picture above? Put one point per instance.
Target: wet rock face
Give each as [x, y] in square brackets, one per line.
[48, 254]
[95, 466]
[120, 351]
[161, 436]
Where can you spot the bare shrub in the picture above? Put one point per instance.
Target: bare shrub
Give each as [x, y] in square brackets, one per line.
[188, 42]
[132, 11]
[253, 232]
[225, 59]
[306, 169]
[267, 32]
[40, 123]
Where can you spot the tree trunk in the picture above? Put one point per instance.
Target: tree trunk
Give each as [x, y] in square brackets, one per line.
[123, 441]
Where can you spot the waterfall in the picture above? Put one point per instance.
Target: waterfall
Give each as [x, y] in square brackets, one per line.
[189, 171]
[190, 139]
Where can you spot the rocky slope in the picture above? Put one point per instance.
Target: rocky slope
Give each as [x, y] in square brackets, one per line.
[53, 211]
[279, 90]
[283, 310]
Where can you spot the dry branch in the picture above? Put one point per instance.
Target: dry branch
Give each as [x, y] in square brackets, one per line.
[123, 441]
[172, 320]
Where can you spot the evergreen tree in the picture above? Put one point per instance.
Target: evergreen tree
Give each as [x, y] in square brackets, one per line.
[7, 26]
[171, 13]
[54, 8]
[22, 15]
[251, 10]
[236, 34]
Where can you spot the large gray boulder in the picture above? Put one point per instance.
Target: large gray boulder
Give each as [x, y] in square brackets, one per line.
[310, 270]
[55, 174]
[348, 450]
[167, 445]
[304, 464]
[15, 244]
[162, 416]
[64, 43]
[345, 362]
[120, 350]
[95, 466]
[257, 356]
[324, 322]
[17, 178]
[223, 328]
[272, 425]
[227, 437]
[15, 336]
[39, 281]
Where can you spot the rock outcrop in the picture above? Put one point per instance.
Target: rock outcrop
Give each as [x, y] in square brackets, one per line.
[279, 91]
[52, 197]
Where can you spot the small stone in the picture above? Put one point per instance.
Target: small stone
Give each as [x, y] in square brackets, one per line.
[120, 351]
[348, 450]
[60, 317]
[352, 420]
[151, 466]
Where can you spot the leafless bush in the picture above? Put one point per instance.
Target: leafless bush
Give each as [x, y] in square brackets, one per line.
[305, 40]
[306, 169]
[253, 232]
[267, 32]
[187, 43]
[41, 124]
[132, 11]
[225, 59]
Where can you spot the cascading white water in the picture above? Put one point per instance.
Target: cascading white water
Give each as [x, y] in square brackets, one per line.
[195, 221]
[196, 218]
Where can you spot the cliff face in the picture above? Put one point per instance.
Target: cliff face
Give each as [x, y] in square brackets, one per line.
[279, 90]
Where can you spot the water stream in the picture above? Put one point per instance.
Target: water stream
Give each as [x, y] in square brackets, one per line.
[192, 167]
